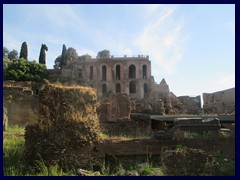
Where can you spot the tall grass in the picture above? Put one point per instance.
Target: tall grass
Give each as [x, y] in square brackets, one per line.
[13, 157]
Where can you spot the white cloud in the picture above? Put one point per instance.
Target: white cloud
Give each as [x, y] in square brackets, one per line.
[163, 40]
[60, 15]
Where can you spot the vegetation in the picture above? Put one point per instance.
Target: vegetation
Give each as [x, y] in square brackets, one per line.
[63, 58]
[104, 54]
[42, 56]
[24, 51]
[12, 55]
[23, 70]
[85, 56]
[5, 52]
[14, 163]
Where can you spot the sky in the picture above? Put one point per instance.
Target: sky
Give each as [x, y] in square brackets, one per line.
[191, 46]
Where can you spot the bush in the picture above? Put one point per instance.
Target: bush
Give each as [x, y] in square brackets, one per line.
[23, 70]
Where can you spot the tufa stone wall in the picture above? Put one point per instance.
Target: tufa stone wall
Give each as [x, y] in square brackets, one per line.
[68, 128]
[115, 107]
[138, 125]
[20, 102]
[190, 106]
[221, 102]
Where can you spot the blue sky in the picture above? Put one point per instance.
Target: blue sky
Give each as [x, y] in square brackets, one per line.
[191, 46]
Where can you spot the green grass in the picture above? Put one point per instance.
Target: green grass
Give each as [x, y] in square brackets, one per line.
[124, 137]
[13, 160]
[13, 157]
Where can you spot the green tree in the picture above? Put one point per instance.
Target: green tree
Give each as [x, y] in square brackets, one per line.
[85, 56]
[104, 54]
[63, 60]
[5, 52]
[6, 63]
[24, 51]
[42, 56]
[71, 53]
[13, 55]
[23, 70]
[57, 62]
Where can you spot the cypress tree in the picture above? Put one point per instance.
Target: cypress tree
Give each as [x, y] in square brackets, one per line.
[42, 56]
[24, 51]
[63, 56]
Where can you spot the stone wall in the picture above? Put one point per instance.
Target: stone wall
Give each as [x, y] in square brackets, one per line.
[68, 128]
[139, 125]
[20, 102]
[221, 102]
[115, 107]
[190, 105]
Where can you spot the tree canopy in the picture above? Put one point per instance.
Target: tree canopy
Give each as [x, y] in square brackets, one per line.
[13, 54]
[71, 53]
[85, 56]
[23, 70]
[104, 54]
[5, 52]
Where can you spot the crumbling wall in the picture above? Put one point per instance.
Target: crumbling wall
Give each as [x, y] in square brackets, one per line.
[220, 102]
[68, 128]
[189, 105]
[115, 107]
[21, 103]
[139, 125]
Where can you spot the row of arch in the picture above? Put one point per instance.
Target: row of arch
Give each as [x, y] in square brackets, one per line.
[131, 72]
[132, 88]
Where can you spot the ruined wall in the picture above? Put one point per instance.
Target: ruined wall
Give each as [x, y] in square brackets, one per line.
[20, 102]
[190, 106]
[68, 128]
[139, 125]
[115, 107]
[220, 102]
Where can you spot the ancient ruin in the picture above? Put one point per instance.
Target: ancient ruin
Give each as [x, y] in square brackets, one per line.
[221, 102]
[118, 97]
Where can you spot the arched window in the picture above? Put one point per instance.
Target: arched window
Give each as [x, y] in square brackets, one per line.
[91, 73]
[132, 72]
[118, 88]
[132, 87]
[144, 71]
[145, 88]
[104, 73]
[118, 74]
[104, 88]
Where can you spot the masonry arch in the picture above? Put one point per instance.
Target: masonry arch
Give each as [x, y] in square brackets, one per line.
[144, 71]
[145, 88]
[104, 72]
[118, 72]
[132, 72]
[91, 73]
[104, 88]
[132, 87]
[118, 88]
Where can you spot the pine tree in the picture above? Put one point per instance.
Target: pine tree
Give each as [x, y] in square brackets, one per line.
[24, 51]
